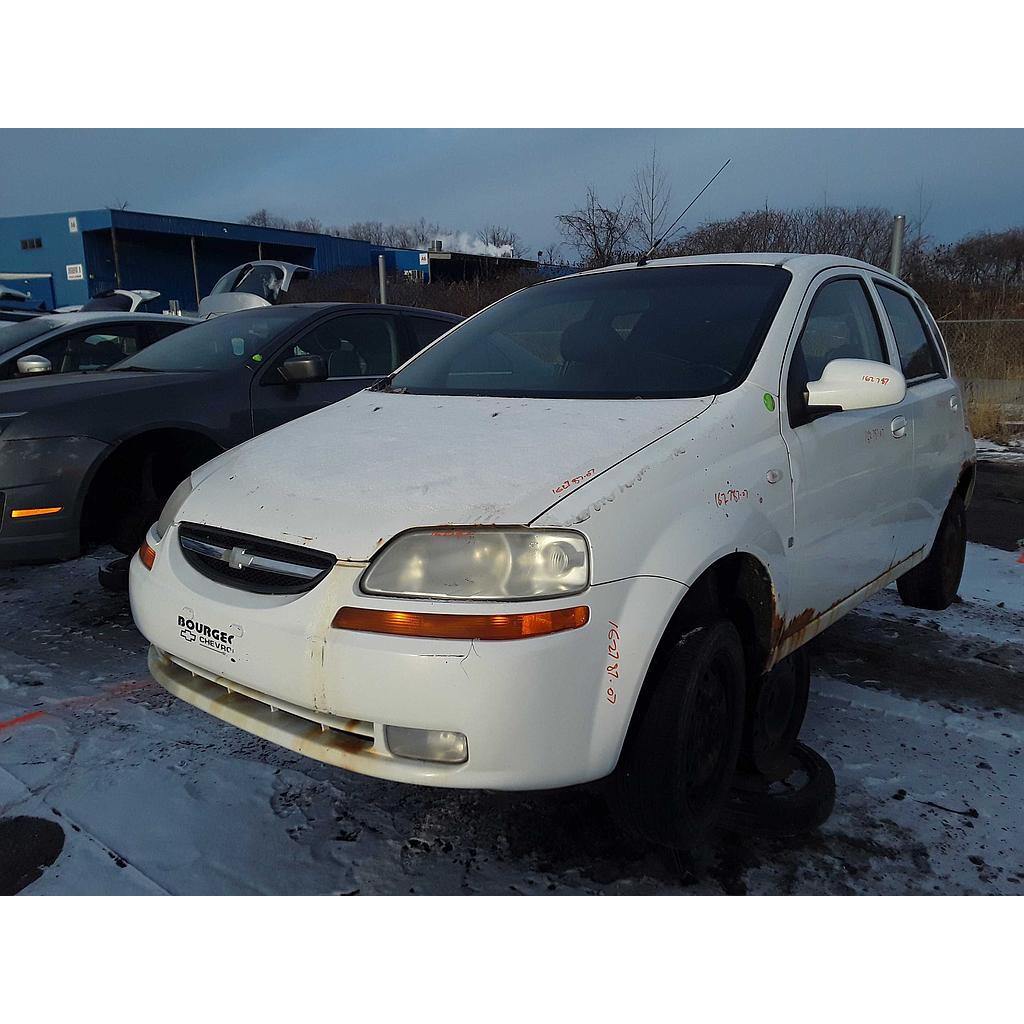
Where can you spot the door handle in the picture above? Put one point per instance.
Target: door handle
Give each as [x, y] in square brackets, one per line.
[899, 427]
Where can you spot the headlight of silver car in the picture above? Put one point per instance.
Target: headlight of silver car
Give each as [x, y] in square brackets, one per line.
[469, 564]
[171, 509]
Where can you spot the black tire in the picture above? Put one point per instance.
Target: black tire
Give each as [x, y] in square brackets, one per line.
[776, 707]
[933, 584]
[139, 502]
[681, 751]
[113, 575]
[801, 801]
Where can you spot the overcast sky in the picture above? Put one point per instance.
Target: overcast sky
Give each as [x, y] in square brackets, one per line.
[967, 180]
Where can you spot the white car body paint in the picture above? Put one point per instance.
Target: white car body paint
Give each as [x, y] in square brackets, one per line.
[661, 489]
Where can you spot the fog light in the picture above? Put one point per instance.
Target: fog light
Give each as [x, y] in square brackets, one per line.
[427, 744]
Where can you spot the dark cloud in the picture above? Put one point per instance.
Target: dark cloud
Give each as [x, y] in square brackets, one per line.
[968, 179]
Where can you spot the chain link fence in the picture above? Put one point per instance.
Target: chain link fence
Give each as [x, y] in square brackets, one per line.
[986, 349]
[988, 357]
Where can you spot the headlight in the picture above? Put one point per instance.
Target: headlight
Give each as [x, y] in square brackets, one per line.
[481, 564]
[174, 503]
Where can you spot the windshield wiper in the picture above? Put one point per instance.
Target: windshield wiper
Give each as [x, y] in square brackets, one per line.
[134, 369]
[384, 384]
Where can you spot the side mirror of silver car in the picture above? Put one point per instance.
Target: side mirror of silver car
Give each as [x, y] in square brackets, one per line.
[29, 365]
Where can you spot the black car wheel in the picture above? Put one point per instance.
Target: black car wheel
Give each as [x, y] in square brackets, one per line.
[681, 752]
[933, 584]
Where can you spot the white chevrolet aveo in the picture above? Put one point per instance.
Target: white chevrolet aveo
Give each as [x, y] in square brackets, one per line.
[580, 535]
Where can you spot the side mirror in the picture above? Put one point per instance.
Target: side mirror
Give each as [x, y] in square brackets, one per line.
[856, 384]
[304, 369]
[29, 365]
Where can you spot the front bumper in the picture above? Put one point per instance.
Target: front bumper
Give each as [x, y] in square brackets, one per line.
[538, 713]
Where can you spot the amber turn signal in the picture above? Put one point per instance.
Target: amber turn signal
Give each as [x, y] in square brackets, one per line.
[147, 555]
[27, 513]
[436, 626]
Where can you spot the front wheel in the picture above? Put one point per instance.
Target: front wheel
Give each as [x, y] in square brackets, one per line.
[933, 584]
[681, 752]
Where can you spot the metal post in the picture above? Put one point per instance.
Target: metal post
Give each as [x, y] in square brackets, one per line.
[382, 276]
[259, 250]
[117, 265]
[195, 268]
[896, 257]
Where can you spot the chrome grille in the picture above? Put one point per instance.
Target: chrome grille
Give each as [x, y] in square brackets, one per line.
[252, 563]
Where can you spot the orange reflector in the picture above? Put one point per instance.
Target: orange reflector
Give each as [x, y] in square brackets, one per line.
[461, 627]
[147, 555]
[25, 513]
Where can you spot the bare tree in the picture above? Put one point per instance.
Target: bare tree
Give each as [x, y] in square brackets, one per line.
[263, 218]
[652, 195]
[311, 224]
[553, 255]
[863, 232]
[372, 231]
[600, 234]
[502, 237]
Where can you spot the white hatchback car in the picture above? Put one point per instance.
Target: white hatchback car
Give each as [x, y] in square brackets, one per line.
[576, 535]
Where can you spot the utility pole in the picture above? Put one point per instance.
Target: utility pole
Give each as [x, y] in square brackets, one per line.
[896, 254]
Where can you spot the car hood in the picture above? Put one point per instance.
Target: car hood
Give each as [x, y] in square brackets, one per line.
[64, 404]
[351, 476]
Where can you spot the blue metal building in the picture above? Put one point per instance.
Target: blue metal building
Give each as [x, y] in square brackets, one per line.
[63, 259]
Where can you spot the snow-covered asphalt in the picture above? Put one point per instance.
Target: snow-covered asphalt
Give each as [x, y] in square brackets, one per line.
[921, 714]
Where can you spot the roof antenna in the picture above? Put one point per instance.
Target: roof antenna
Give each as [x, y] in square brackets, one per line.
[647, 255]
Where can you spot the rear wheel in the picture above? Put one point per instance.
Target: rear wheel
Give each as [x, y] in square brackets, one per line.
[681, 752]
[933, 584]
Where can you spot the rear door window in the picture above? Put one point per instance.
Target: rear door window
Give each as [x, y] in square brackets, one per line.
[918, 356]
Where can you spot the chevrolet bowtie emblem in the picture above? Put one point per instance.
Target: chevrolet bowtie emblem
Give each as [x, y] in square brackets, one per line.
[238, 558]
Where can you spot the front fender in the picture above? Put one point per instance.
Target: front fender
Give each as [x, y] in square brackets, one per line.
[696, 495]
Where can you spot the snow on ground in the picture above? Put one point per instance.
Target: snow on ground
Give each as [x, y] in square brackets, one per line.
[992, 599]
[155, 796]
[992, 451]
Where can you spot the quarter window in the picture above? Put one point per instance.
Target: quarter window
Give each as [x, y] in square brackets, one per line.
[917, 353]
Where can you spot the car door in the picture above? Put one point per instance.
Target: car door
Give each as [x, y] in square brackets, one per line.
[358, 348]
[933, 415]
[851, 470]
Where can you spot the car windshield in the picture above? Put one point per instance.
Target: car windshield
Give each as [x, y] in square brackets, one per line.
[15, 335]
[655, 332]
[218, 343]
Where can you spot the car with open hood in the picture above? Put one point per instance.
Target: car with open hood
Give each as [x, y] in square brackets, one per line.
[88, 457]
[584, 534]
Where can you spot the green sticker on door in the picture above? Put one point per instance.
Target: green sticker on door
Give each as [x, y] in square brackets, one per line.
[769, 402]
